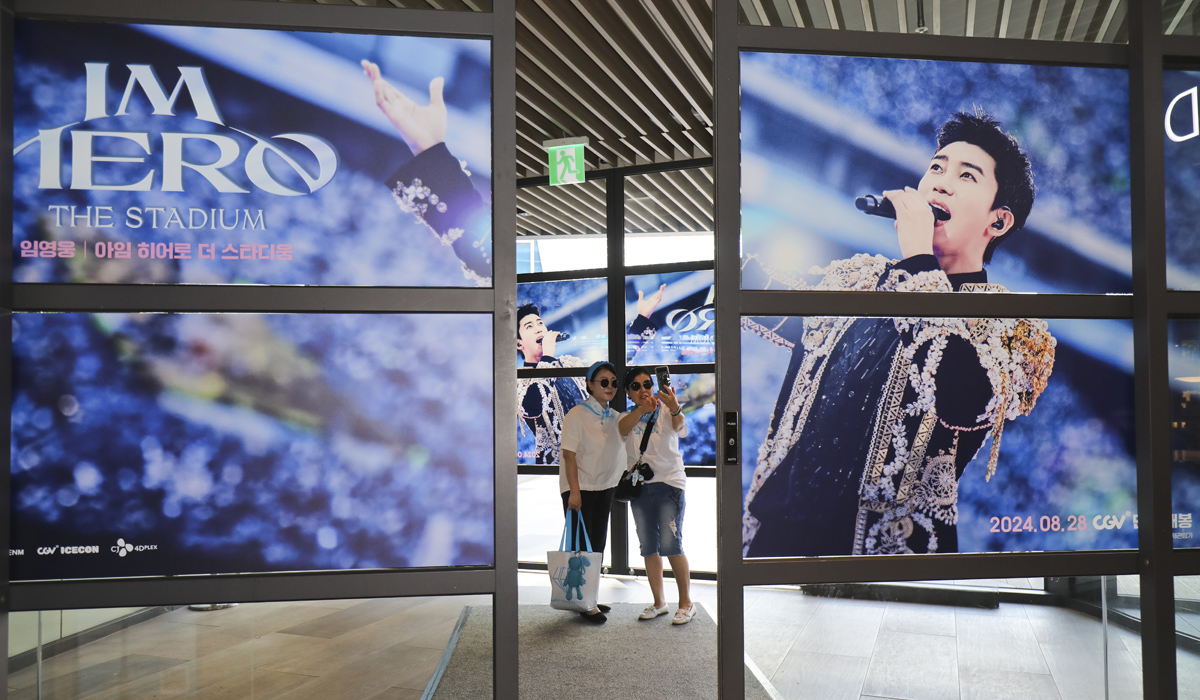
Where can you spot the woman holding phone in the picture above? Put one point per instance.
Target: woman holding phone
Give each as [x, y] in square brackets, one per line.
[658, 511]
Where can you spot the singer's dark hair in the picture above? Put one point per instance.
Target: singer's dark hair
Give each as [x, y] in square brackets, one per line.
[1014, 175]
[524, 310]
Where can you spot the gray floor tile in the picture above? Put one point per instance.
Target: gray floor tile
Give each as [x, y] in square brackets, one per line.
[987, 684]
[1078, 669]
[1001, 642]
[920, 619]
[1060, 626]
[842, 627]
[913, 666]
[1187, 667]
[805, 676]
[767, 643]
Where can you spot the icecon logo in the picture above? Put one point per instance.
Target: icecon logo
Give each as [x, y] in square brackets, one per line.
[123, 548]
[192, 81]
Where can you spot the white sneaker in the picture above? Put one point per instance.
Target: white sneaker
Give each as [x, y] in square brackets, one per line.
[652, 612]
[684, 616]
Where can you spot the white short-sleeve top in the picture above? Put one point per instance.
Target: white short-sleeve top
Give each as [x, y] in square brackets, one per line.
[590, 431]
[662, 451]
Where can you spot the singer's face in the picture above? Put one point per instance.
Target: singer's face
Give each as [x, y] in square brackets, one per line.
[530, 332]
[962, 180]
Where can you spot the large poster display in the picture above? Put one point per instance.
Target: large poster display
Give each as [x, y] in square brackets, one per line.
[206, 155]
[157, 444]
[912, 435]
[1181, 152]
[560, 324]
[679, 328]
[958, 162]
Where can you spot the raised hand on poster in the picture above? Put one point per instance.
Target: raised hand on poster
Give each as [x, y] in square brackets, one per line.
[647, 305]
[421, 126]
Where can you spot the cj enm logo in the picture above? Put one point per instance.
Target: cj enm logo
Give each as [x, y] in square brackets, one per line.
[123, 548]
[89, 146]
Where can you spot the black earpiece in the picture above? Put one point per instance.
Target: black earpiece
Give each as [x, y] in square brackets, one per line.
[999, 224]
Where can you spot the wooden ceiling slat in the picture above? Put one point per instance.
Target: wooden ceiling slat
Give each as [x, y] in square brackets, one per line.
[566, 210]
[688, 214]
[588, 196]
[580, 96]
[669, 210]
[675, 30]
[702, 139]
[537, 216]
[661, 143]
[549, 207]
[700, 207]
[699, 16]
[591, 195]
[693, 182]
[637, 20]
[679, 140]
[643, 201]
[636, 216]
[643, 61]
[531, 94]
[591, 119]
[559, 54]
[603, 59]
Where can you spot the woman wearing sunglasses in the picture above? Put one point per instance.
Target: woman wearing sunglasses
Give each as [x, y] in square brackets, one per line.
[658, 511]
[592, 460]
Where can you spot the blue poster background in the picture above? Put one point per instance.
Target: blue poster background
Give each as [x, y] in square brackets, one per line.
[818, 131]
[1072, 456]
[217, 443]
[263, 84]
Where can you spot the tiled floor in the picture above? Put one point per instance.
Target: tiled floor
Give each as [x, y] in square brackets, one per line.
[806, 646]
[385, 649]
[812, 647]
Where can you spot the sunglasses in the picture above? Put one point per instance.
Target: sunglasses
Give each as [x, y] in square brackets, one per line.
[605, 382]
[647, 385]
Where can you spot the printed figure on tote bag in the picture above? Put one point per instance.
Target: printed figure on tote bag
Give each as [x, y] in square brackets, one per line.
[575, 581]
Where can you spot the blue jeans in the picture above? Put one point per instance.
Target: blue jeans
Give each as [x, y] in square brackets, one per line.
[658, 516]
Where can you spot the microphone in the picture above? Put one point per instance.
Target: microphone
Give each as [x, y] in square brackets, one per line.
[882, 206]
[561, 336]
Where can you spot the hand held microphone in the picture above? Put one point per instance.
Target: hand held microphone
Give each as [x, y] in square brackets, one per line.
[882, 206]
[561, 336]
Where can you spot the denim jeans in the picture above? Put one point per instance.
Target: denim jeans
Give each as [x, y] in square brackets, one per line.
[658, 516]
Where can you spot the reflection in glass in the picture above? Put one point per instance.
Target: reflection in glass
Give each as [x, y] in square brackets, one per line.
[1183, 366]
[845, 449]
[933, 640]
[540, 518]
[672, 318]
[562, 228]
[387, 647]
[668, 217]
[1187, 635]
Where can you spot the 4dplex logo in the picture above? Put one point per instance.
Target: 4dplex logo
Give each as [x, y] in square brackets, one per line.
[88, 147]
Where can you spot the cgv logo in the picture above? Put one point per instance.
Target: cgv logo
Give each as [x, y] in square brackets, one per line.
[91, 147]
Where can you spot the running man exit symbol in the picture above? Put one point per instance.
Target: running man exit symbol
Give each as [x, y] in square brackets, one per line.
[566, 164]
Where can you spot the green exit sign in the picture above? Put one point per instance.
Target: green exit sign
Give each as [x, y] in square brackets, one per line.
[565, 161]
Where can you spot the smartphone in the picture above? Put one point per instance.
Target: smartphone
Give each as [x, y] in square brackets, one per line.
[664, 377]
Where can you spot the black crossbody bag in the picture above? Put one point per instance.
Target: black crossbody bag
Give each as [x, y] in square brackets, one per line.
[630, 485]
